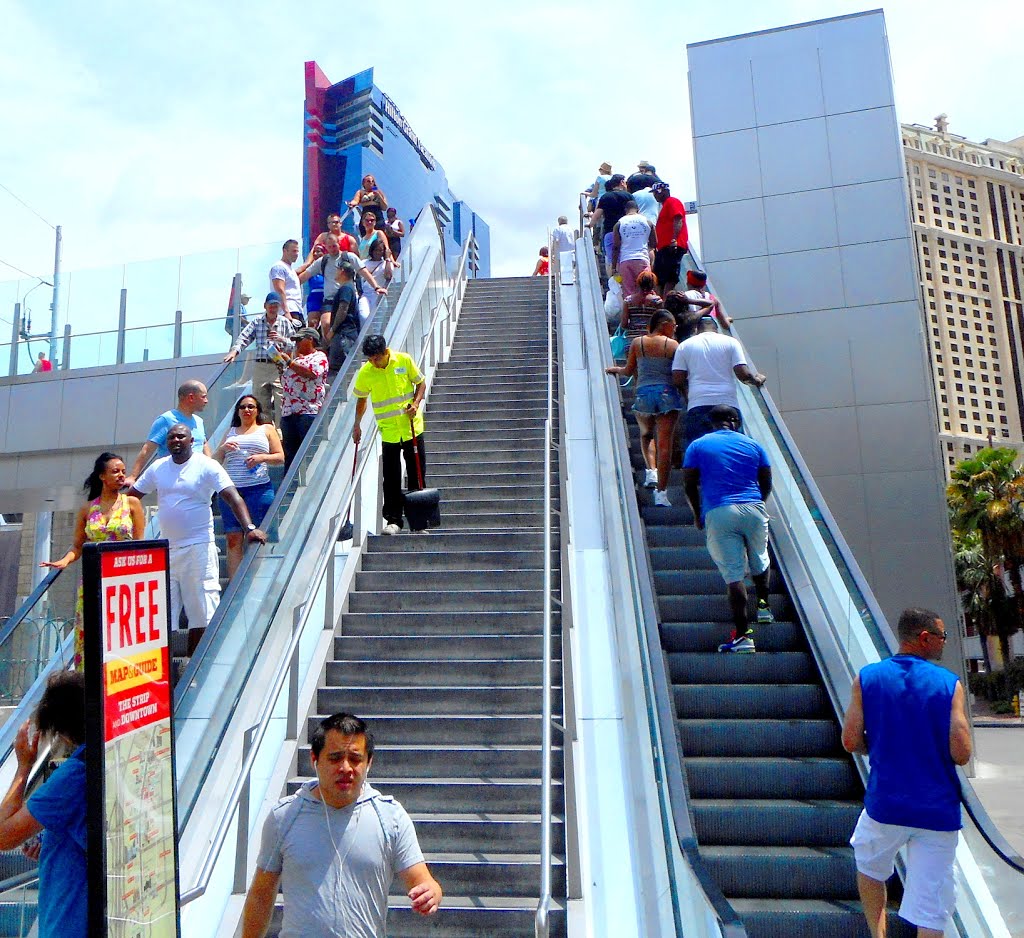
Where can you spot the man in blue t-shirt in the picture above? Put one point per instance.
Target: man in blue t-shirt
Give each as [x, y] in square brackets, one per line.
[908, 716]
[192, 399]
[57, 808]
[727, 477]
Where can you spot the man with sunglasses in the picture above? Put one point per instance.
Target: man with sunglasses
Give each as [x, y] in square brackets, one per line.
[908, 716]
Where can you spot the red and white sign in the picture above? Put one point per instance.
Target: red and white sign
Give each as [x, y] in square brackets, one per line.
[136, 658]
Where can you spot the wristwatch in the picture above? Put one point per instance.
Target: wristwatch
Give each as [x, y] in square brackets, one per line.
[250, 527]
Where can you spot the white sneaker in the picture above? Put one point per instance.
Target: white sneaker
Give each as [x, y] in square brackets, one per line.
[650, 478]
[661, 498]
[391, 529]
[421, 531]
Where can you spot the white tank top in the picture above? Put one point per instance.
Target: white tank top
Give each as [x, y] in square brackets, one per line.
[249, 444]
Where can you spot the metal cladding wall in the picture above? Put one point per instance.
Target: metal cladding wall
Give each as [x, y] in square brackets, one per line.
[805, 228]
[353, 129]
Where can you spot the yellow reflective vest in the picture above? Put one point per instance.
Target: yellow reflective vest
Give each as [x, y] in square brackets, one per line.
[390, 389]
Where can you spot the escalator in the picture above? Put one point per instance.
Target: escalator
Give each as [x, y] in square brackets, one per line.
[773, 795]
[763, 797]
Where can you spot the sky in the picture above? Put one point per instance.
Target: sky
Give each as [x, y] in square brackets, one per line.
[150, 130]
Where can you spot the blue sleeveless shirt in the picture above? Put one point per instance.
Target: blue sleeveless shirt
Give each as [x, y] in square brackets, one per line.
[907, 707]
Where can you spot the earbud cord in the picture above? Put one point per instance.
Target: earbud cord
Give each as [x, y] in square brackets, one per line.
[330, 833]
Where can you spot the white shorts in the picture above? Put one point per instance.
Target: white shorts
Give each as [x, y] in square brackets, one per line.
[929, 893]
[195, 583]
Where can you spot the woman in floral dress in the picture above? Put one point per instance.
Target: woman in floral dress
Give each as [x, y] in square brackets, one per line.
[107, 515]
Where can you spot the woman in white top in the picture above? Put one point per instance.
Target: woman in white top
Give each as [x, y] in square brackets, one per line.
[380, 266]
[633, 244]
[247, 450]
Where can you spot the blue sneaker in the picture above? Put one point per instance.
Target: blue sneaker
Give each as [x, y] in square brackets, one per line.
[742, 645]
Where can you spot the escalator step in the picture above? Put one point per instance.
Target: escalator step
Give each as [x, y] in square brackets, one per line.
[762, 822]
[690, 667]
[717, 777]
[810, 918]
[783, 872]
[707, 636]
[760, 737]
[751, 701]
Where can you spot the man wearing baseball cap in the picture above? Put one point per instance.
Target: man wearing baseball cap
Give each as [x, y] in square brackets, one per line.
[644, 177]
[303, 390]
[272, 334]
[671, 237]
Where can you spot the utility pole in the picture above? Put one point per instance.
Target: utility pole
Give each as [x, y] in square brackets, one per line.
[55, 304]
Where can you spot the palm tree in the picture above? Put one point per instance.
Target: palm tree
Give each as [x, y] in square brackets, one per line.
[986, 504]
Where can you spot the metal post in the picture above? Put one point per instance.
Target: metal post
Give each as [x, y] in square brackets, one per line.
[329, 617]
[41, 550]
[55, 302]
[357, 513]
[236, 307]
[66, 361]
[242, 832]
[15, 336]
[177, 334]
[292, 717]
[122, 320]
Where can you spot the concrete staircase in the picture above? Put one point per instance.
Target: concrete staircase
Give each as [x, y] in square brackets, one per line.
[440, 645]
[774, 798]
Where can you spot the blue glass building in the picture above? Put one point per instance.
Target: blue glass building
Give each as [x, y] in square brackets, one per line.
[352, 128]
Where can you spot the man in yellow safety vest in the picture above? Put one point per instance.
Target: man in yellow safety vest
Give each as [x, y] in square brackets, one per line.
[396, 386]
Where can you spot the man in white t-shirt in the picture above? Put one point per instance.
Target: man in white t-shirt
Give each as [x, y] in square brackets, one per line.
[284, 280]
[563, 238]
[705, 368]
[184, 483]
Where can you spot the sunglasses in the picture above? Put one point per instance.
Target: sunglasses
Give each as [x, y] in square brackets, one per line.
[940, 635]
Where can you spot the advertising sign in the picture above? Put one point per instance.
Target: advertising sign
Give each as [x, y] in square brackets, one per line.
[133, 882]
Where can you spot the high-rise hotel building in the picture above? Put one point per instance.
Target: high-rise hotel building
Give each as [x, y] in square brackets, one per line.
[967, 206]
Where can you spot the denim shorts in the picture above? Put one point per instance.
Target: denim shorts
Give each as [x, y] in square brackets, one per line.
[657, 399]
[257, 498]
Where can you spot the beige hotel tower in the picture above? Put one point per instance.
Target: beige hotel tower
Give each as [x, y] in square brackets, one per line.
[967, 208]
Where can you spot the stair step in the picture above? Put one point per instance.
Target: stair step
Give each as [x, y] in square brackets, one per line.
[418, 648]
[404, 729]
[453, 671]
[472, 917]
[432, 581]
[503, 795]
[681, 558]
[761, 822]
[436, 560]
[511, 540]
[484, 600]
[717, 777]
[475, 476]
[487, 700]
[458, 521]
[418, 622]
[453, 761]
[702, 607]
[488, 833]
[715, 737]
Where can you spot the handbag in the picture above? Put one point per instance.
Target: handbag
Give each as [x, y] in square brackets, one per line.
[620, 344]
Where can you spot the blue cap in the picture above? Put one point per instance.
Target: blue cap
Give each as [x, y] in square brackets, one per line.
[272, 298]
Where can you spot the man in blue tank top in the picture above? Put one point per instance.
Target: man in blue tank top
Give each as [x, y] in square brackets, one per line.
[908, 716]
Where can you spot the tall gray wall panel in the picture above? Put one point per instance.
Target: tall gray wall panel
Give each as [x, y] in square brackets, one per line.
[806, 233]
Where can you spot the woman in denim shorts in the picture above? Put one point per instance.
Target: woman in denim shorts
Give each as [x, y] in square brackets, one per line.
[657, 402]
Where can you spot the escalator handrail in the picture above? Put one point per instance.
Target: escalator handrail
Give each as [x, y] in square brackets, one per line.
[671, 746]
[878, 628]
[11, 625]
[249, 557]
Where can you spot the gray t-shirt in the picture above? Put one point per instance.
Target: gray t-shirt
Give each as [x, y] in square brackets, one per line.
[328, 265]
[337, 864]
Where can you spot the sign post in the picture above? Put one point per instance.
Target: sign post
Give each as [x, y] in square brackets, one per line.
[133, 854]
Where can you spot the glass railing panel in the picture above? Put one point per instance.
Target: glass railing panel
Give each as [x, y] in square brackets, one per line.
[91, 299]
[204, 337]
[149, 343]
[19, 904]
[205, 286]
[152, 292]
[30, 639]
[254, 263]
